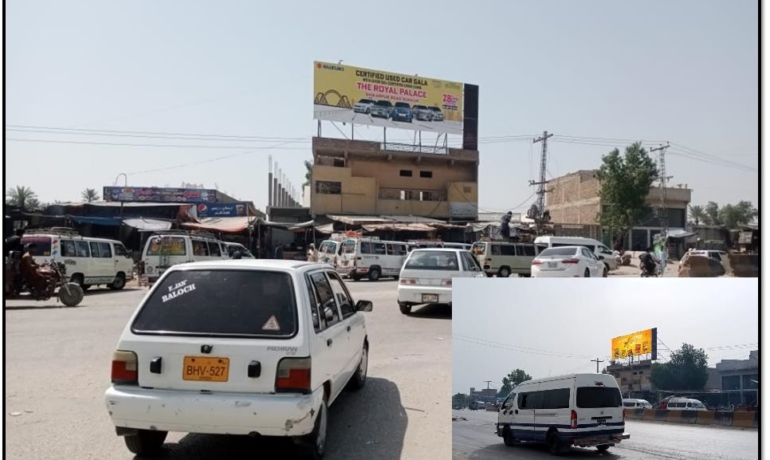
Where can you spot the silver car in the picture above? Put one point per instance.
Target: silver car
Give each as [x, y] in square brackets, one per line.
[381, 109]
[422, 113]
[363, 106]
[438, 115]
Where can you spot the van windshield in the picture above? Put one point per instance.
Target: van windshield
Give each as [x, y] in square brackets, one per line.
[220, 303]
[327, 247]
[432, 260]
[349, 247]
[42, 245]
[597, 397]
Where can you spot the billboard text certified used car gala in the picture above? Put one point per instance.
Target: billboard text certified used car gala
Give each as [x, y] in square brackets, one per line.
[242, 347]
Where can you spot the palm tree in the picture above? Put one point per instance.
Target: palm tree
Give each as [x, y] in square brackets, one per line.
[23, 197]
[697, 214]
[89, 195]
[308, 173]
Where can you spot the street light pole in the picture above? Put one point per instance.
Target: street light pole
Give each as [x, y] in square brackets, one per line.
[125, 184]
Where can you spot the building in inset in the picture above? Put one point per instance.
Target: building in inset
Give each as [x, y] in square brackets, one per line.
[487, 395]
[573, 201]
[365, 178]
[740, 379]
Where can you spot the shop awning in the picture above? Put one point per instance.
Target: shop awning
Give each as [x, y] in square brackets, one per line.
[223, 224]
[148, 225]
[108, 221]
[359, 220]
[680, 233]
[396, 227]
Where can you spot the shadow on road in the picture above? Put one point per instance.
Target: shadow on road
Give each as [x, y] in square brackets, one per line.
[367, 424]
[433, 311]
[100, 291]
[499, 451]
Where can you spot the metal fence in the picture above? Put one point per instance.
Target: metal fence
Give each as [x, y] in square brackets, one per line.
[436, 150]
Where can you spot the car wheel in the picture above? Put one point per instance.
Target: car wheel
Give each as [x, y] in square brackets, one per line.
[313, 445]
[504, 272]
[359, 378]
[146, 442]
[603, 447]
[119, 283]
[587, 273]
[554, 447]
[605, 271]
[405, 308]
[374, 274]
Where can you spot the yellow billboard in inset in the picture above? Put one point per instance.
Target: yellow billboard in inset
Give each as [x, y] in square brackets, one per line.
[636, 344]
[348, 94]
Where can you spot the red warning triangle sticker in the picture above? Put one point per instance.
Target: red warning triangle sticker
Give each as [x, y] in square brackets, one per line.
[271, 325]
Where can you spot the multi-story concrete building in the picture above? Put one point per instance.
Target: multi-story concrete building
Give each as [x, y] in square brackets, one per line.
[574, 199]
[365, 178]
[740, 379]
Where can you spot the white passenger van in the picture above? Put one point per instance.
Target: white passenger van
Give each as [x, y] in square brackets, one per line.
[503, 259]
[610, 258]
[165, 249]
[88, 261]
[329, 252]
[685, 404]
[583, 410]
[631, 403]
[372, 258]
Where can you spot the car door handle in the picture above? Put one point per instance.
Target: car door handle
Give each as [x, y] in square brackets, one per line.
[329, 342]
[516, 411]
[348, 328]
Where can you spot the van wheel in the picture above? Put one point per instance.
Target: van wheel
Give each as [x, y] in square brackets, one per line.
[312, 446]
[508, 438]
[504, 272]
[119, 283]
[606, 270]
[146, 442]
[603, 447]
[586, 274]
[554, 447]
[355, 277]
[405, 308]
[374, 274]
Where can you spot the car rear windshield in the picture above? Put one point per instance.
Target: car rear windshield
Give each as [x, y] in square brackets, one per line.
[227, 303]
[558, 252]
[42, 245]
[598, 397]
[432, 260]
[402, 105]
[384, 103]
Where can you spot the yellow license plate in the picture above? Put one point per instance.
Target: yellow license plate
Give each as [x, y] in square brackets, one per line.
[205, 369]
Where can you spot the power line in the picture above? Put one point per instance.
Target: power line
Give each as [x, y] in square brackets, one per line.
[180, 146]
[504, 346]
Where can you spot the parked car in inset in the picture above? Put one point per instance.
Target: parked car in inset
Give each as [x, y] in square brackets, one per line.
[437, 114]
[401, 112]
[567, 262]
[381, 109]
[422, 113]
[363, 106]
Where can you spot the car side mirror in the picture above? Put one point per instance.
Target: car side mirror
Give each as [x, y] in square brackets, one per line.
[364, 305]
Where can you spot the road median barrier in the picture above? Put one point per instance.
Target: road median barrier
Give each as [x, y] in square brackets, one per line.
[738, 419]
[649, 415]
[673, 416]
[722, 418]
[705, 417]
[746, 419]
[689, 416]
[661, 415]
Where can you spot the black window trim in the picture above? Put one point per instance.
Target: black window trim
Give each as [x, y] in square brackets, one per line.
[324, 272]
[162, 278]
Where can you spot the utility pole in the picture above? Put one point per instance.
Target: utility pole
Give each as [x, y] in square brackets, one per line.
[539, 212]
[487, 382]
[597, 361]
[662, 212]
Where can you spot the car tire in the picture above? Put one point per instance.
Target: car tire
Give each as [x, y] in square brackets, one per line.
[605, 271]
[358, 381]
[504, 272]
[554, 447]
[603, 447]
[374, 274]
[146, 442]
[355, 277]
[587, 273]
[119, 283]
[312, 446]
[405, 308]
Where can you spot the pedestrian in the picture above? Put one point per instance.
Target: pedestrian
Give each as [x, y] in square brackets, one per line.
[312, 254]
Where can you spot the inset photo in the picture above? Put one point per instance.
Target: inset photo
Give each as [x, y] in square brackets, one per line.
[620, 368]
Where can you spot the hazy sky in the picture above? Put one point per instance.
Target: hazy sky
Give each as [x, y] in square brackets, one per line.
[684, 71]
[546, 331]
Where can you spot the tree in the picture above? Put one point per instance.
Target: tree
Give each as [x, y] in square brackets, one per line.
[308, 173]
[730, 215]
[460, 399]
[712, 214]
[511, 380]
[687, 370]
[89, 195]
[23, 197]
[697, 214]
[625, 182]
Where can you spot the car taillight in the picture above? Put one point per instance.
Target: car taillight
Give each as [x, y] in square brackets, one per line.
[447, 282]
[124, 368]
[570, 261]
[407, 281]
[537, 262]
[573, 420]
[293, 375]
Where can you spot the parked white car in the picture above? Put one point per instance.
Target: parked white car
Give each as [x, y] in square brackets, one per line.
[426, 277]
[567, 262]
[631, 403]
[685, 404]
[363, 106]
[242, 347]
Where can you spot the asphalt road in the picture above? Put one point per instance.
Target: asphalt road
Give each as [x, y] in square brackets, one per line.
[474, 439]
[58, 367]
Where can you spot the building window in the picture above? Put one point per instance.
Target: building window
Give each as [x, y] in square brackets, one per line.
[409, 195]
[405, 173]
[426, 196]
[328, 188]
[426, 174]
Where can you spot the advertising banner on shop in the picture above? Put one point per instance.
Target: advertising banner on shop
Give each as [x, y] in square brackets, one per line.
[222, 209]
[636, 344]
[348, 94]
[160, 194]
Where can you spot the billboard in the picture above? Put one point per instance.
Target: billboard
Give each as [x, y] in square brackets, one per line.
[223, 209]
[348, 94]
[160, 194]
[638, 343]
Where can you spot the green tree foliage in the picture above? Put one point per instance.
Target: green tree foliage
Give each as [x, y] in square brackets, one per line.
[89, 195]
[697, 214]
[625, 184]
[460, 399]
[23, 197]
[514, 378]
[730, 215]
[687, 370]
[308, 173]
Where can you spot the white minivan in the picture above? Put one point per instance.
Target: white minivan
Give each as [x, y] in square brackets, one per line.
[610, 258]
[685, 404]
[631, 403]
[583, 410]
[166, 249]
[329, 252]
[88, 261]
[371, 258]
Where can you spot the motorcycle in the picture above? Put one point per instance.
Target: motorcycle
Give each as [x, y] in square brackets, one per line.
[650, 274]
[54, 274]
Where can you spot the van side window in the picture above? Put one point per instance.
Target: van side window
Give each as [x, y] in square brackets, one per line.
[556, 399]
[214, 249]
[328, 306]
[496, 250]
[68, 248]
[120, 250]
[507, 250]
[366, 247]
[523, 401]
[94, 249]
[82, 249]
[400, 249]
[529, 250]
[379, 248]
[105, 250]
[200, 248]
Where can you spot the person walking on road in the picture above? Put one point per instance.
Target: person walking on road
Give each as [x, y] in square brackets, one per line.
[312, 253]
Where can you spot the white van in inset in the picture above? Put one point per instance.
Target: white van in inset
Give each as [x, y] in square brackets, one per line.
[329, 252]
[504, 259]
[611, 259]
[582, 410]
[371, 258]
[88, 261]
[685, 404]
[165, 249]
[631, 403]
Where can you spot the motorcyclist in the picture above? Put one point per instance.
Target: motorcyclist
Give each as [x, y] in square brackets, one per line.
[14, 243]
[648, 263]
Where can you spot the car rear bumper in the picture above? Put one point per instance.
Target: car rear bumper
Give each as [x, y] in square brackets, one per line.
[569, 273]
[414, 294]
[189, 412]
